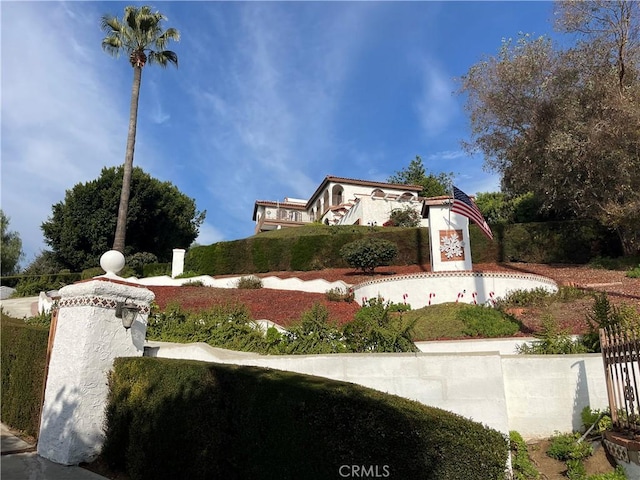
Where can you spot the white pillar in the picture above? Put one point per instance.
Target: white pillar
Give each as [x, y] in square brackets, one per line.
[449, 240]
[177, 265]
[88, 338]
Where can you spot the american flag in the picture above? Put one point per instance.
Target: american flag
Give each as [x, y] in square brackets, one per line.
[463, 205]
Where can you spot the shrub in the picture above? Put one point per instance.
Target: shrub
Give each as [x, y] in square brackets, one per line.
[249, 283]
[156, 269]
[314, 333]
[248, 422]
[523, 467]
[23, 353]
[634, 272]
[188, 274]
[376, 329]
[600, 420]
[606, 315]
[369, 253]
[137, 261]
[337, 294]
[564, 446]
[225, 326]
[551, 340]
[404, 217]
[41, 320]
[525, 298]
[481, 321]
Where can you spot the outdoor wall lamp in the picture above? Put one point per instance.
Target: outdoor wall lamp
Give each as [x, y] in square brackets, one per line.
[127, 311]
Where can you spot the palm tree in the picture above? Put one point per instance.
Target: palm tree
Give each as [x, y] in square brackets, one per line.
[139, 34]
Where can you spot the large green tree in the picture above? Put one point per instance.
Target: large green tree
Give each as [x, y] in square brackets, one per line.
[160, 219]
[10, 248]
[565, 123]
[416, 174]
[138, 34]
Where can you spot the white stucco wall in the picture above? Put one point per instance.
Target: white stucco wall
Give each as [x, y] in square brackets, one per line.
[546, 393]
[470, 385]
[424, 289]
[535, 395]
[88, 338]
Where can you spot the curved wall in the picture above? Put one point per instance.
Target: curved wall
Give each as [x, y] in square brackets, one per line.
[423, 289]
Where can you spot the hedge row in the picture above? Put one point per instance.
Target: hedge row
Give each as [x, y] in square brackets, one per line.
[23, 356]
[317, 247]
[171, 419]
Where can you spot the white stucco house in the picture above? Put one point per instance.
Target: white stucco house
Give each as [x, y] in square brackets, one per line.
[339, 201]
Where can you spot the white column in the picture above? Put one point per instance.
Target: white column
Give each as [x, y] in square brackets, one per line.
[449, 240]
[177, 265]
[88, 338]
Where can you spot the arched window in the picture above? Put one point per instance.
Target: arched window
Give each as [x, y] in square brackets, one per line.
[405, 197]
[337, 195]
[377, 193]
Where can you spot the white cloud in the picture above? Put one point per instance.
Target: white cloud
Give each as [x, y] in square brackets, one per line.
[209, 234]
[59, 126]
[437, 107]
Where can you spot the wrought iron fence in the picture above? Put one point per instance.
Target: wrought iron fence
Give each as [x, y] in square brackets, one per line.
[621, 356]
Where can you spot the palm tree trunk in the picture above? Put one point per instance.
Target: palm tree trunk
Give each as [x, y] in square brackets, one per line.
[121, 225]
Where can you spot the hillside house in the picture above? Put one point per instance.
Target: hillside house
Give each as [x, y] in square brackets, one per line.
[339, 201]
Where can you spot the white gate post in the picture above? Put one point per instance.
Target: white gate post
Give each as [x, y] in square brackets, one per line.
[177, 265]
[88, 338]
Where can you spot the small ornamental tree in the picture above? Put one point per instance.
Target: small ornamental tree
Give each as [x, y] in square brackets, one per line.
[404, 217]
[369, 253]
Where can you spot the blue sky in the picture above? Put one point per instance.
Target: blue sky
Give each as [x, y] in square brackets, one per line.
[268, 99]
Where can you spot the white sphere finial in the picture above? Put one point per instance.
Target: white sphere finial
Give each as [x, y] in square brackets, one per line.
[112, 262]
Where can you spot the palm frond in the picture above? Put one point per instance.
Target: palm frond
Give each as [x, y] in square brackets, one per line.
[140, 29]
[163, 58]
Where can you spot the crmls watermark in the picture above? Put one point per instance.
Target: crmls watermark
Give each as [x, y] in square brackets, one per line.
[364, 471]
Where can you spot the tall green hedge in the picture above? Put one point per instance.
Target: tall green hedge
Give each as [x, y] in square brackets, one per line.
[315, 247]
[170, 419]
[23, 355]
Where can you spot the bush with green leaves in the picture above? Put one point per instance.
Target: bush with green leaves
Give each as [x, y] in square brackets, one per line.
[259, 423]
[23, 358]
[606, 315]
[138, 260]
[487, 322]
[565, 446]
[598, 420]
[404, 217]
[634, 272]
[376, 328]
[338, 294]
[552, 341]
[523, 467]
[225, 326]
[249, 283]
[313, 333]
[188, 274]
[368, 253]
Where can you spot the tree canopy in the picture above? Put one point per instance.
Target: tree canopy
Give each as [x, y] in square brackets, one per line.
[10, 248]
[81, 228]
[416, 174]
[565, 123]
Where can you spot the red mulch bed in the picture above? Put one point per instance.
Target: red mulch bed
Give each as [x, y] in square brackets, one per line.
[280, 306]
[285, 307]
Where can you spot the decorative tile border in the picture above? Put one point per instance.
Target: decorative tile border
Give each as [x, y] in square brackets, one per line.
[96, 301]
[414, 276]
[619, 452]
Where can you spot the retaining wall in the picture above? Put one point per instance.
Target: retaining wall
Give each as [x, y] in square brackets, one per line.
[535, 395]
